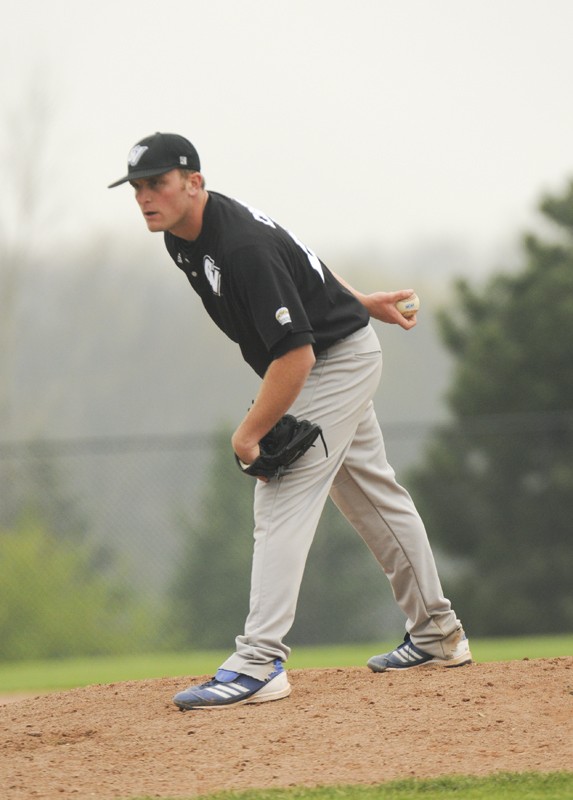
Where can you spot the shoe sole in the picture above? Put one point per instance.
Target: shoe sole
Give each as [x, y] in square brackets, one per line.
[258, 697]
[278, 694]
[449, 663]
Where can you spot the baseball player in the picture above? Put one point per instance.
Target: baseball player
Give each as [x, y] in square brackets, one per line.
[306, 333]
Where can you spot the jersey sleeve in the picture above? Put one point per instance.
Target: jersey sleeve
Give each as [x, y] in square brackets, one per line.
[269, 298]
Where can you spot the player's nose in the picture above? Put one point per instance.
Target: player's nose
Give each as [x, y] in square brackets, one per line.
[142, 195]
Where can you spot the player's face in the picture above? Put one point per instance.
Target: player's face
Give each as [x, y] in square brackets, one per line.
[164, 200]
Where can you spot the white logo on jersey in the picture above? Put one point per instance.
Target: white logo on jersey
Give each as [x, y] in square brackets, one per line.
[213, 274]
[135, 154]
[283, 315]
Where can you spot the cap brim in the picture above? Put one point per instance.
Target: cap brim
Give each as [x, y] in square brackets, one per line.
[142, 173]
[119, 182]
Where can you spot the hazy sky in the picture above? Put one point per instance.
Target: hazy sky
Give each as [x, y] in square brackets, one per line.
[372, 122]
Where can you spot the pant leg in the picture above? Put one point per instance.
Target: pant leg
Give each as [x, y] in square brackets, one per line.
[287, 511]
[383, 513]
[338, 395]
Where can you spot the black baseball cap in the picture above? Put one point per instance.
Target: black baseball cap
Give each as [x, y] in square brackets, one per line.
[157, 154]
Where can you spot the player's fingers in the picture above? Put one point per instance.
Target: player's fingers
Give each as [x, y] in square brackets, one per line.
[401, 294]
[407, 322]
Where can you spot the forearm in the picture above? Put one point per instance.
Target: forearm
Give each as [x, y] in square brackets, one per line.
[382, 305]
[281, 385]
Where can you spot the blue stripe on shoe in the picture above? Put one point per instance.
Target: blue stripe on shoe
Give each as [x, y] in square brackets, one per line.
[404, 656]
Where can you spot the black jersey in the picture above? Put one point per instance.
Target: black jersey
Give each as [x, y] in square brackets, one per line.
[262, 286]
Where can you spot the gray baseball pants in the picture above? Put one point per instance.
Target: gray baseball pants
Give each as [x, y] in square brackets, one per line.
[338, 395]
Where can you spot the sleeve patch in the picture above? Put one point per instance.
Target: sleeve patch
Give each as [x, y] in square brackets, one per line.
[283, 316]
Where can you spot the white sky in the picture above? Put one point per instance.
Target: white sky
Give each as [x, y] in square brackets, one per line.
[367, 123]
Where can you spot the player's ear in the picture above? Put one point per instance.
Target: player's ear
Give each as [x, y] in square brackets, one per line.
[194, 181]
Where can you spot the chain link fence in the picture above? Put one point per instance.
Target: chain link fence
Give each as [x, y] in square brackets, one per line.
[119, 504]
[123, 505]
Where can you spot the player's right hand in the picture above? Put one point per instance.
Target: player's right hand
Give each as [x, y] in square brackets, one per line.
[382, 306]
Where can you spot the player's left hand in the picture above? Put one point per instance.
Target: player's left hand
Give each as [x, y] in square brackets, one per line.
[287, 441]
[246, 451]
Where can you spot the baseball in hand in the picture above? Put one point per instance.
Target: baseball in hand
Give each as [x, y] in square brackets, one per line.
[409, 306]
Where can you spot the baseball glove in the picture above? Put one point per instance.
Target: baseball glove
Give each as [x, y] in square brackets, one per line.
[284, 444]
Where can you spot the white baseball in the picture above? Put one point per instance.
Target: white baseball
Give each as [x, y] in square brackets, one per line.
[409, 306]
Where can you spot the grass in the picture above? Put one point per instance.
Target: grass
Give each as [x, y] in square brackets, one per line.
[503, 786]
[52, 675]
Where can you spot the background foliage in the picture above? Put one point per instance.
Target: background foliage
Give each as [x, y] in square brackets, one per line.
[55, 600]
[496, 483]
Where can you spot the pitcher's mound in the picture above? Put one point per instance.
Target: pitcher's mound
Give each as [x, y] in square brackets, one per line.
[338, 726]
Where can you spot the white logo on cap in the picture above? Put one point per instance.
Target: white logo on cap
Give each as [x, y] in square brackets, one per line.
[183, 159]
[283, 315]
[135, 154]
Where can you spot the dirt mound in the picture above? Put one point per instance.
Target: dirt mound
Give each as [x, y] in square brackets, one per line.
[338, 726]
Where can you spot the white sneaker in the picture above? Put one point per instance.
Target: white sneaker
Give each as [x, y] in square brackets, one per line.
[233, 688]
[407, 655]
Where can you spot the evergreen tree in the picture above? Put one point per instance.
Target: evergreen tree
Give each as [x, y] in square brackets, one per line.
[496, 484]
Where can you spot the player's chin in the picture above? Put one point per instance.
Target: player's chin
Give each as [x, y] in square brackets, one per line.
[154, 223]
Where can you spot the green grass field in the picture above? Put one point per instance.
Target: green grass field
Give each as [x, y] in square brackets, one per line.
[504, 786]
[32, 676]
